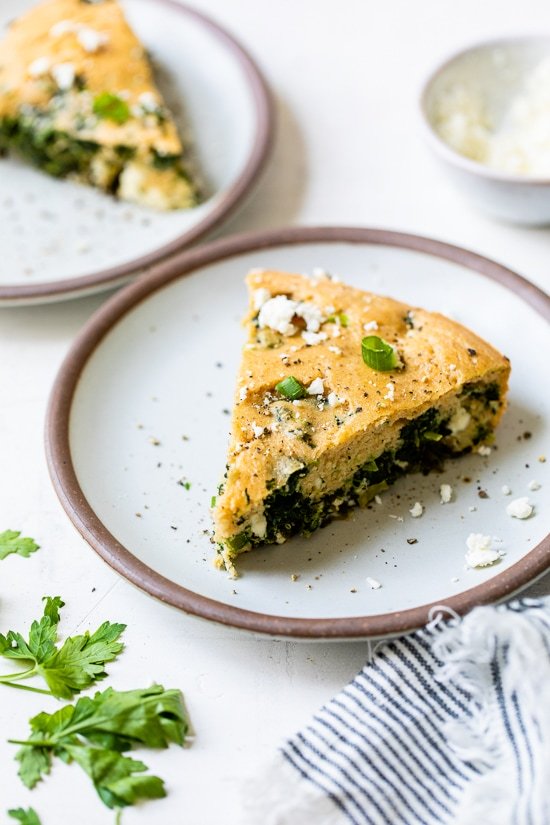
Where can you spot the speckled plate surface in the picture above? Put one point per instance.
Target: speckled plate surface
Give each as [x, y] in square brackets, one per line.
[137, 436]
[60, 239]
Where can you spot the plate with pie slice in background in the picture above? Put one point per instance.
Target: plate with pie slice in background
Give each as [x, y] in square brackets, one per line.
[128, 130]
[138, 431]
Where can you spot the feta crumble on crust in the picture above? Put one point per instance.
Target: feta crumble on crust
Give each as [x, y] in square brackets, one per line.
[316, 387]
[277, 313]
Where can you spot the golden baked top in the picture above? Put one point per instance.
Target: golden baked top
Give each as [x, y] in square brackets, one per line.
[311, 328]
[88, 51]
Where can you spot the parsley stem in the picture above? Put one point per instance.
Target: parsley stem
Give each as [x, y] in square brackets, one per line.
[118, 816]
[26, 687]
[21, 674]
[33, 743]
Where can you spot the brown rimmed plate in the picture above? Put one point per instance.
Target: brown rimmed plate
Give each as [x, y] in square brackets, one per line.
[137, 429]
[60, 239]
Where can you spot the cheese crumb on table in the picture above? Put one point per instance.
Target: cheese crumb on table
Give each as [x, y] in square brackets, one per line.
[505, 490]
[534, 485]
[484, 450]
[374, 584]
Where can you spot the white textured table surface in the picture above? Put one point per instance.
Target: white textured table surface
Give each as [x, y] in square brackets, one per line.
[348, 151]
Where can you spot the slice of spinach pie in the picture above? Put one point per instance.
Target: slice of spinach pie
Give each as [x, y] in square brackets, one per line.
[340, 392]
[78, 100]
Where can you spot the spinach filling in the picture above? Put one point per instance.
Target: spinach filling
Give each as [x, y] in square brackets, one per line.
[54, 151]
[421, 449]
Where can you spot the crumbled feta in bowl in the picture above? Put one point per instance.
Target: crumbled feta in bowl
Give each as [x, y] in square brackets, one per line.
[487, 113]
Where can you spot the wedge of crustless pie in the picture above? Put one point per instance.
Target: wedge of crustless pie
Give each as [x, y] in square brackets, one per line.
[339, 393]
[78, 99]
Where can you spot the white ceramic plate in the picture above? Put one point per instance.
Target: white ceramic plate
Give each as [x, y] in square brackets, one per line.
[61, 239]
[140, 412]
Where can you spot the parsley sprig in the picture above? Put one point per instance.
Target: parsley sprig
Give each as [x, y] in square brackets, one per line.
[67, 668]
[11, 541]
[96, 732]
[24, 817]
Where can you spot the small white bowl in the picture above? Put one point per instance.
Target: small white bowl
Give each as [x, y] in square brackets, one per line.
[496, 71]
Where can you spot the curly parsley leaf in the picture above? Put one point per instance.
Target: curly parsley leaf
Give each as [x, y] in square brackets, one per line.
[11, 541]
[66, 669]
[25, 817]
[95, 733]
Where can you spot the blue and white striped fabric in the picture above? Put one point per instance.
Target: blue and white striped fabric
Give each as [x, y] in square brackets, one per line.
[448, 725]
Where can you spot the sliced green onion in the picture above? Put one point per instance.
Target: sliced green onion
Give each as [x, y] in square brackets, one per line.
[371, 466]
[430, 436]
[111, 107]
[378, 354]
[340, 318]
[213, 501]
[291, 388]
[238, 542]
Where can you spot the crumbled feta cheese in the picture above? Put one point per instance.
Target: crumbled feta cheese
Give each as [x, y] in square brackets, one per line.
[333, 399]
[283, 356]
[505, 490]
[458, 421]
[455, 579]
[150, 103]
[311, 314]
[390, 395]
[258, 431]
[39, 67]
[316, 387]
[378, 500]
[513, 139]
[484, 450]
[452, 368]
[534, 485]
[472, 509]
[480, 552]
[319, 273]
[312, 338]
[370, 326]
[258, 524]
[397, 518]
[62, 27]
[336, 333]
[416, 510]
[64, 75]
[90, 39]
[243, 392]
[335, 350]
[520, 508]
[277, 313]
[445, 493]
[374, 584]
[260, 296]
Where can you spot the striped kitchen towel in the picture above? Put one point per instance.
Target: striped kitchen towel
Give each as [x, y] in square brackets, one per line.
[448, 725]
